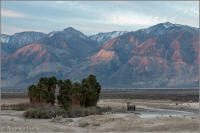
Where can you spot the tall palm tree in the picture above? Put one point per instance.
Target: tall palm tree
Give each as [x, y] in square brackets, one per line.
[32, 93]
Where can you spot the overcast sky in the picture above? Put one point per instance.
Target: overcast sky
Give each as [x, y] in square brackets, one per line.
[92, 17]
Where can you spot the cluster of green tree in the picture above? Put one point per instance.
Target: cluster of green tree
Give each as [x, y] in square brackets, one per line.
[71, 94]
[43, 91]
[85, 93]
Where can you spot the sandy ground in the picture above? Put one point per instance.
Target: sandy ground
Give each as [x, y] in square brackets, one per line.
[110, 122]
[9, 101]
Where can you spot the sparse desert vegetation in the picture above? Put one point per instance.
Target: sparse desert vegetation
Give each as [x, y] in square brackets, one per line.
[53, 112]
[154, 113]
[74, 99]
[113, 117]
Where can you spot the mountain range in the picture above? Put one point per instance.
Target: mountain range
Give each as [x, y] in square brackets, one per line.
[163, 55]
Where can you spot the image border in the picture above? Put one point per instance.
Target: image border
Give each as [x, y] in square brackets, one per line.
[105, 1]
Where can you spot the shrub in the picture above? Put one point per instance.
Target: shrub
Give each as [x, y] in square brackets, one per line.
[105, 109]
[83, 124]
[37, 113]
[45, 111]
[61, 112]
[57, 119]
[96, 124]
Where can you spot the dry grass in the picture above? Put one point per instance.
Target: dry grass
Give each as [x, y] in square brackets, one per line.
[17, 107]
[46, 112]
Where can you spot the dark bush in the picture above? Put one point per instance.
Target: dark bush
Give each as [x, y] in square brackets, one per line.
[46, 112]
[38, 113]
[83, 124]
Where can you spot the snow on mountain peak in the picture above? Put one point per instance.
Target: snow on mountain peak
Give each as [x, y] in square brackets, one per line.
[104, 37]
[166, 27]
[5, 38]
[52, 33]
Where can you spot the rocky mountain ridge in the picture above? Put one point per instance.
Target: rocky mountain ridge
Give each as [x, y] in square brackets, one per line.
[164, 55]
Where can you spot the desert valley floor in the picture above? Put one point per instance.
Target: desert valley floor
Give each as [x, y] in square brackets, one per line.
[151, 115]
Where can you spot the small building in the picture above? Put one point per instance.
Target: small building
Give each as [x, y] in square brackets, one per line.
[130, 107]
